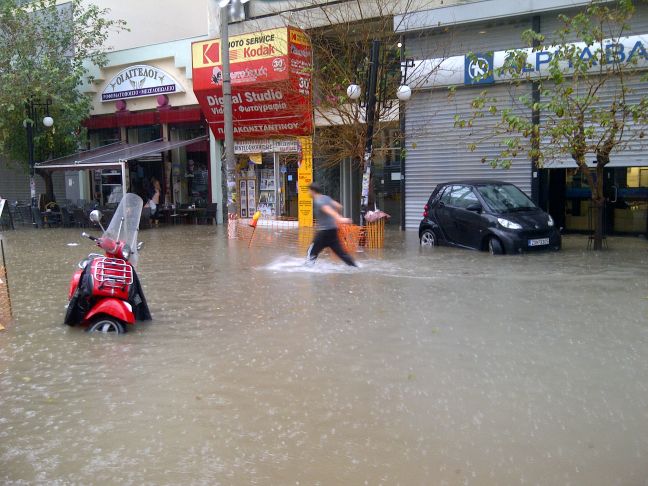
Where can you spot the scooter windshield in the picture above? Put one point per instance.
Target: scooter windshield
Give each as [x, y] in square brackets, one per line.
[124, 225]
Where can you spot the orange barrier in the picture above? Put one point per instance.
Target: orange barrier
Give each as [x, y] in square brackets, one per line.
[375, 234]
[5, 296]
[286, 233]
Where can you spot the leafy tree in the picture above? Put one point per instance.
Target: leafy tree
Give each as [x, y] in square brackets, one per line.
[341, 36]
[44, 51]
[585, 110]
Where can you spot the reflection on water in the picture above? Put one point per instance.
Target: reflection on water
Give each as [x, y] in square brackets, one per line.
[422, 367]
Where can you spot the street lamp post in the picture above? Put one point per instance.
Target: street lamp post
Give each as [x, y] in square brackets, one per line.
[403, 93]
[32, 109]
[230, 11]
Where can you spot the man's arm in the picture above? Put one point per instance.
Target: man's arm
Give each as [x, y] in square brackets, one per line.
[337, 205]
[333, 213]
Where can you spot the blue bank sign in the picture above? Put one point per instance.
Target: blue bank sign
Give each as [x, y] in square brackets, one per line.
[481, 68]
[478, 69]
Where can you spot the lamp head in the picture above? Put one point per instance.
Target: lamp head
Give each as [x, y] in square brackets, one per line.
[404, 92]
[354, 91]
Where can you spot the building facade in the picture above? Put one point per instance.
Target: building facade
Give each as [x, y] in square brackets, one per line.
[437, 151]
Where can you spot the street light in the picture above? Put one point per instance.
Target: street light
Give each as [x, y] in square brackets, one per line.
[230, 11]
[32, 108]
[375, 91]
[354, 92]
[404, 92]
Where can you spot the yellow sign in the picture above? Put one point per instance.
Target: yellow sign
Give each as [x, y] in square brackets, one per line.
[256, 158]
[304, 179]
[243, 48]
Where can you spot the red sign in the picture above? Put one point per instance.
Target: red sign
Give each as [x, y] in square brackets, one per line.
[271, 83]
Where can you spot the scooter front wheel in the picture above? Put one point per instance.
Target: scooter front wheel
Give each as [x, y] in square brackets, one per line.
[106, 325]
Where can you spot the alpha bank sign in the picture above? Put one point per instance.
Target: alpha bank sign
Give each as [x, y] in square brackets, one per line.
[481, 68]
[139, 81]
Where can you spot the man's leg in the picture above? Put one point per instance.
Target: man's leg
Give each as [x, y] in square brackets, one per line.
[335, 245]
[318, 244]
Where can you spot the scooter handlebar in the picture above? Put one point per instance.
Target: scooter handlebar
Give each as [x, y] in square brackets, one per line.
[90, 237]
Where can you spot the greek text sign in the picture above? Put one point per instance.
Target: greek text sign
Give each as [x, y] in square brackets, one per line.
[271, 83]
[138, 81]
[628, 53]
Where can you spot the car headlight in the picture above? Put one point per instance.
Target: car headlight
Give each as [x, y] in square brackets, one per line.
[505, 223]
[550, 220]
[126, 252]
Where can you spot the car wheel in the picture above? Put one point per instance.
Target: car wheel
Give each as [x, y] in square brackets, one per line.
[495, 246]
[428, 238]
[106, 325]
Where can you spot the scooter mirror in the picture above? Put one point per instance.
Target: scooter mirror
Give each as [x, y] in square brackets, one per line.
[95, 216]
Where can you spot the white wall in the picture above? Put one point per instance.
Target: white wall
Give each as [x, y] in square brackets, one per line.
[154, 21]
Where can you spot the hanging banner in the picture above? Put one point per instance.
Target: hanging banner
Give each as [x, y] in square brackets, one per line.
[139, 81]
[304, 179]
[271, 83]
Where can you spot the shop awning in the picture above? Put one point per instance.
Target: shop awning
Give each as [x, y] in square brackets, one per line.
[115, 154]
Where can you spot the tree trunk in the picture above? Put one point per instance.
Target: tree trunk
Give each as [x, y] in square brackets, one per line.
[598, 199]
[598, 208]
[49, 185]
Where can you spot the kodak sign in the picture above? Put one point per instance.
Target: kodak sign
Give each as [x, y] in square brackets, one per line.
[271, 83]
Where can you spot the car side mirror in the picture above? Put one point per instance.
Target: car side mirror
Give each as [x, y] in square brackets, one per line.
[475, 208]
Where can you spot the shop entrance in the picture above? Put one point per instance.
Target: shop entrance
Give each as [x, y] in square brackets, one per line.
[567, 198]
[267, 179]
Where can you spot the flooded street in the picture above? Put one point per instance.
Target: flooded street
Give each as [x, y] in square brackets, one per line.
[420, 368]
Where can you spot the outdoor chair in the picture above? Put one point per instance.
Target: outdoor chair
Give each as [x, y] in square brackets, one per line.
[80, 218]
[209, 217]
[25, 215]
[145, 218]
[37, 218]
[66, 218]
[16, 217]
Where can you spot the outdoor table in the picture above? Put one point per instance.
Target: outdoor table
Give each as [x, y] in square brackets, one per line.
[192, 213]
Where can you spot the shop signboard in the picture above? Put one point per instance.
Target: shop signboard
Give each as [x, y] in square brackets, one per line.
[271, 83]
[139, 81]
[626, 53]
[266, 145]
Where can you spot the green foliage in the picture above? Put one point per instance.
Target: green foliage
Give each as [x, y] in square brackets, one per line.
[44, 49]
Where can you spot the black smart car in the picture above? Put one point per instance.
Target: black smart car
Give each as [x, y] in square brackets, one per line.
[486, 215]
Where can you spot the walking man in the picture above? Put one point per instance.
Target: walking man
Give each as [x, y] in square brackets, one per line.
[327, 213]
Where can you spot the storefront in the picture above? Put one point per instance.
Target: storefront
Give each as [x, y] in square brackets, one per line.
[146, 129]
[437, 151]
[273, 121]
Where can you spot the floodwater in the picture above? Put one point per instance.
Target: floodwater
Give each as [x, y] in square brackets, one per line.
[429, 367]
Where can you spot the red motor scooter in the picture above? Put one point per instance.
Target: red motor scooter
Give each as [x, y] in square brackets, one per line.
[105, 293]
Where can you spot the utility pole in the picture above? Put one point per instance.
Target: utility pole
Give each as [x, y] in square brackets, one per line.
[230, 158]
[370, 117]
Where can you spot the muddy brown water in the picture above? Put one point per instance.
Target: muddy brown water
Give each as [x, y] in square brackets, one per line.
[423, 367]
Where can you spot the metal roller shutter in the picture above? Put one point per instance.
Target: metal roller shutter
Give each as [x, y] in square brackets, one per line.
[14, 183]
[437, 151]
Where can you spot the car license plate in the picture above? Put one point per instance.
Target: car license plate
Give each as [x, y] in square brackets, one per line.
[539, 242]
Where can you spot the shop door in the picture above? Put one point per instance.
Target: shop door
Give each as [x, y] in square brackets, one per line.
[288, 164]
[627, 196]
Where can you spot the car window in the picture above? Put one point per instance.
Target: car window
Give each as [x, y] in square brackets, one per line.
[459, 196]
[446, 197]
[505, 198]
